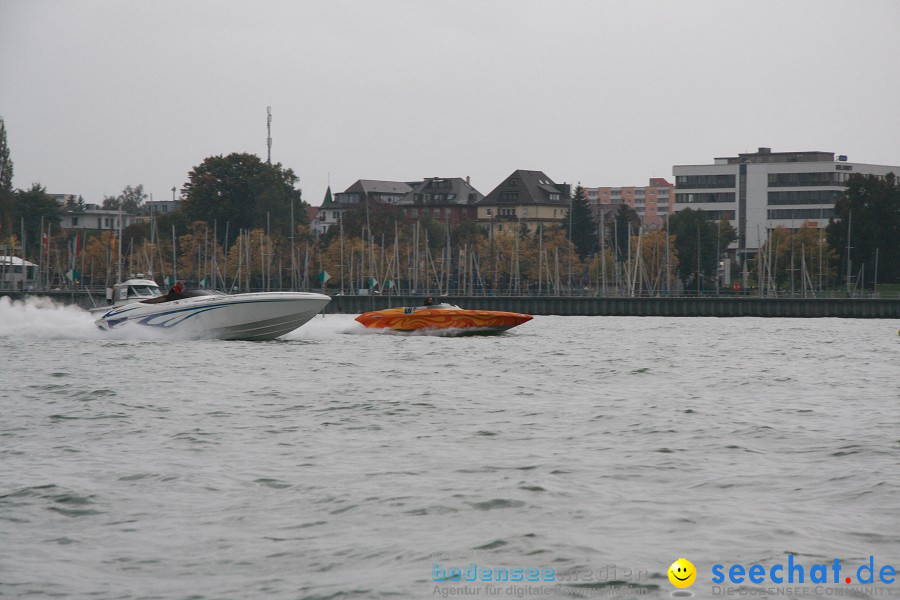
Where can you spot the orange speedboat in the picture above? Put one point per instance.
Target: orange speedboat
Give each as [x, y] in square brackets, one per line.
[443, 318]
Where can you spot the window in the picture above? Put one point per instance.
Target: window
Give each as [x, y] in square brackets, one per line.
[800, 213]
[415, 212]
[509, 196]
[804, 179]
[74, 221]
[513, 182]
[554, 196]
[804, 197]
[688, 182]
[701, 197]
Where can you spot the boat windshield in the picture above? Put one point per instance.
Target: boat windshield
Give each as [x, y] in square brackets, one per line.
[143, 291]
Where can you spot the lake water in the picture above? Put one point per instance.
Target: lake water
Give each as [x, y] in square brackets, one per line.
[339, 463]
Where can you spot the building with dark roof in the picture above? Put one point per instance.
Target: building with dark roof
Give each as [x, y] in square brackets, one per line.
[528, 197]
[450, 200]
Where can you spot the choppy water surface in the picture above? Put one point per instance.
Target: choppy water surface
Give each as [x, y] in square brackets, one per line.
[342, 464]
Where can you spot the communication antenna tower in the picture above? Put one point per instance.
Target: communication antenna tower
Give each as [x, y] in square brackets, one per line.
[269, 139]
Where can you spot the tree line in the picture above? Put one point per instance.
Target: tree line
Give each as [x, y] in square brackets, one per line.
[243, 225]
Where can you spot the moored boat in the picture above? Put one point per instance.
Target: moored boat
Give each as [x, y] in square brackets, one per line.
[445, 318]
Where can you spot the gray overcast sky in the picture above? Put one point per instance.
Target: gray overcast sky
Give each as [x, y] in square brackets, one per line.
[97, 95]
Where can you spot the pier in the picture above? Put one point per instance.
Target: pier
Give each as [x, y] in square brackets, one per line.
[706, 306]
[742, 306]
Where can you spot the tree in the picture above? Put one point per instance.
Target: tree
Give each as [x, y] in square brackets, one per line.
[580, 225]
[7, 195]
[33, 207]
[244, 191]
[869, 212]
[695, 234]
[130, 200]
[625, 224]
[800, 261]
[379, 218]
[75, 205]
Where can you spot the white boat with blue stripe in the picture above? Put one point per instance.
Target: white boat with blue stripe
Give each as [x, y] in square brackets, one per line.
[204, 314]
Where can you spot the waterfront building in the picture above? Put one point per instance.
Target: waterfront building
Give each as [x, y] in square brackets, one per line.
[652, 202]
[525, 197]
[762, 190]
[94, 218]
[446, 199]
[155, 208]
[16, 274]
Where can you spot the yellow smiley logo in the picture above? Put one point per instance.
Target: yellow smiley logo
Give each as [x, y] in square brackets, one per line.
[682, 573]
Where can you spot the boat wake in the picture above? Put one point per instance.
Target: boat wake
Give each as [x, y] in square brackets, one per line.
[42, 318]
[323, 327]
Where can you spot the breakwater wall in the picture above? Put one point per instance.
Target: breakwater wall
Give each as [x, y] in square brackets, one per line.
[725, 306]
[850, 308]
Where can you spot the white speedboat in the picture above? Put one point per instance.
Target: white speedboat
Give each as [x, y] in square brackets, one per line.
[216, 315]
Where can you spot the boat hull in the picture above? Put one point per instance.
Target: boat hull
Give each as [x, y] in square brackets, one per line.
[456, 320]
[262, 316]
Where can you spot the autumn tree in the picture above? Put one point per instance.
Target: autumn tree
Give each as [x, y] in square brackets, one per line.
[799, 260]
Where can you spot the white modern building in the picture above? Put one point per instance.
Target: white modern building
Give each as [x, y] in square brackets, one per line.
[762, 190]
[96, 218]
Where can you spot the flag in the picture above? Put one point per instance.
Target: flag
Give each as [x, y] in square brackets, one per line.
[168, 280]
[372, 282]
[45, 241]
[73, 275]
[389, 283]
[323, 277]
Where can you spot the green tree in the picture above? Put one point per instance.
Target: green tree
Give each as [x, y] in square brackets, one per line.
[625, 224]
[7, 196]
[75, 205]
[31, 208]
[130, 200]
[870, 210]
[699, 243]
[244, 191]
[579, 224]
